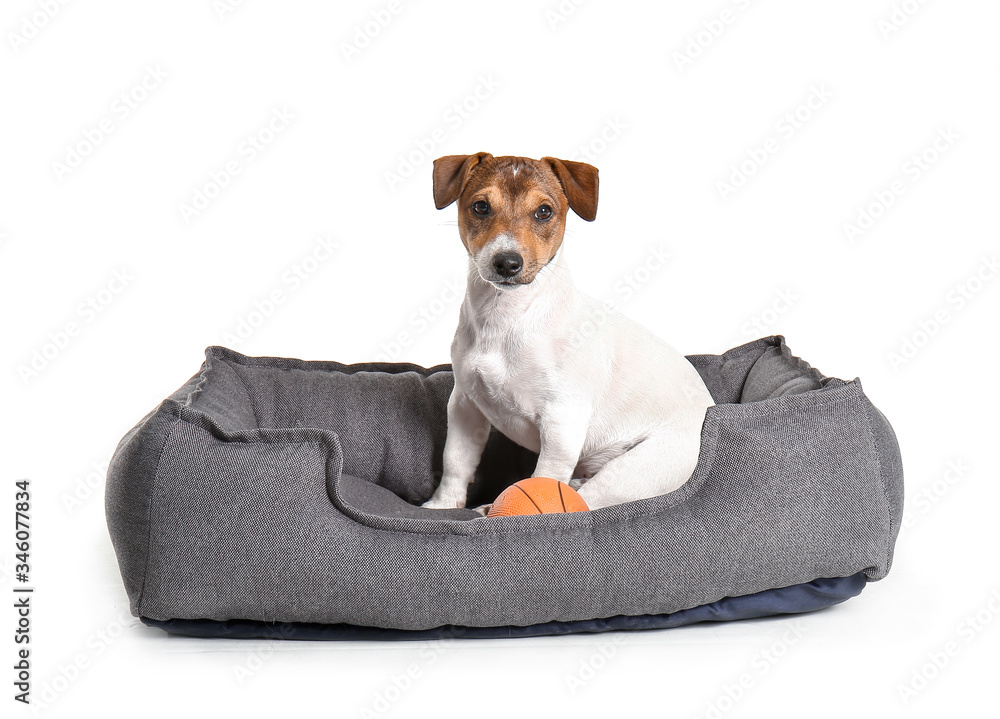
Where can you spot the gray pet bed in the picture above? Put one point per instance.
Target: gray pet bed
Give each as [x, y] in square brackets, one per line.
[277, 497]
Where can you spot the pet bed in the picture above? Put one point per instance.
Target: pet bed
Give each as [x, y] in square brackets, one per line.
[272, 497]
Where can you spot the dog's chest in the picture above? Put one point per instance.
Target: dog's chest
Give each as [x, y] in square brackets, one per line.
[505, 393]
[496, 381]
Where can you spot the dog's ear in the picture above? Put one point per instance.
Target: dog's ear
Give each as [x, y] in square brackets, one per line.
[450, 174]
[579, 182]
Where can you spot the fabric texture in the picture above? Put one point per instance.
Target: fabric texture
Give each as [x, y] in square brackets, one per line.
[282, 491]
[809, 597]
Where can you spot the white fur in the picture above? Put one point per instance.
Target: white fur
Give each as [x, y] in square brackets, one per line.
[504, 242]
[597, 395]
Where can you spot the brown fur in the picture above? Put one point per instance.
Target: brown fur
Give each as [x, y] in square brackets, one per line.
[513, 200]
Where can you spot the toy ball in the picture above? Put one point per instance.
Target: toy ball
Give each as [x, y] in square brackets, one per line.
[537, 495]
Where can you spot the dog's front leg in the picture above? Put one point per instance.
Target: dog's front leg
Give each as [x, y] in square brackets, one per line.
[468, 430]
[563, 434]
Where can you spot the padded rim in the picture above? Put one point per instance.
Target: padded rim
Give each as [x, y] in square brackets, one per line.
[715, 416]
[834, 390]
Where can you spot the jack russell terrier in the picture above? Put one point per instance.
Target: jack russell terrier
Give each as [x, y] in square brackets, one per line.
[604, 402]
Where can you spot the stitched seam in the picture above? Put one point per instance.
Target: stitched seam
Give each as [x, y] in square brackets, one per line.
[202, 380]
[149, 517]
[246, 388]
[881, 474]
[788, 410]
[285, 363]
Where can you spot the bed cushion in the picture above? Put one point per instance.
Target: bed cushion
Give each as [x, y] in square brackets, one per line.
[274, 491]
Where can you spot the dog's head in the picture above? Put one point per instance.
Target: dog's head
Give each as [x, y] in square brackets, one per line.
[512, 210]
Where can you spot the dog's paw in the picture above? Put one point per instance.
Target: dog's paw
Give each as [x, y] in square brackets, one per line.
[483, 509]
[444, 502]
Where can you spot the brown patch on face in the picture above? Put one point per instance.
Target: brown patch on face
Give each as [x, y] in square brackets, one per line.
[514, 189]
[522, 200]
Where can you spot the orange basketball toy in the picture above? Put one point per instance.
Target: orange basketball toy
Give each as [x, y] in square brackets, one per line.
[537, 495]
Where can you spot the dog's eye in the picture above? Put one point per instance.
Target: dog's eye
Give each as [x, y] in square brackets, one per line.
[481, 207]
[543, 213]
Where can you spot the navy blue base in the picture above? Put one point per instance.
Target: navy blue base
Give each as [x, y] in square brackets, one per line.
[808, 597]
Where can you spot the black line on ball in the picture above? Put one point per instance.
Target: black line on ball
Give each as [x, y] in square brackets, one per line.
[530, 499]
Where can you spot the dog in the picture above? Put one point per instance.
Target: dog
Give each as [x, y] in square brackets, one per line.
[610, 408]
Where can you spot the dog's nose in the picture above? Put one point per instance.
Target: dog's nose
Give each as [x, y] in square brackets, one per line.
[508, 264]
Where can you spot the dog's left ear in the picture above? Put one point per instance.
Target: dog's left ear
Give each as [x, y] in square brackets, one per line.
[450, 174]
[579, 182]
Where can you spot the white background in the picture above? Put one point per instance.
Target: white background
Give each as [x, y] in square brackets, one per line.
[668, 100]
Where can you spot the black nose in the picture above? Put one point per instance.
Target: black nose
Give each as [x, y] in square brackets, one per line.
[508, 264]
